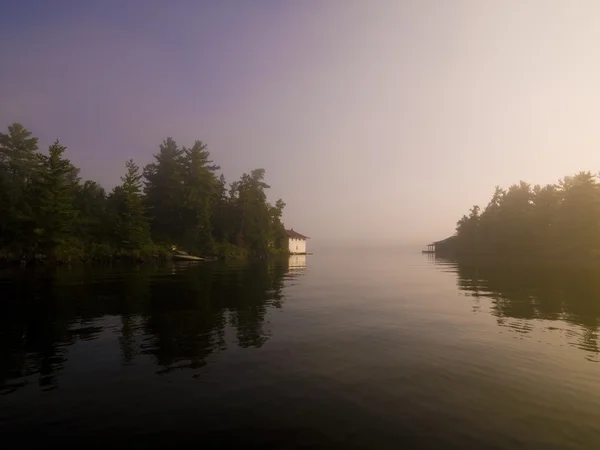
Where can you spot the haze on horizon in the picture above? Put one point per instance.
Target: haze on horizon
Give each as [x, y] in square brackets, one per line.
[374, 119]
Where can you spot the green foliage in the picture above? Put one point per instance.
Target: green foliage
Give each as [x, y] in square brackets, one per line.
[132, 224]
[145, 253]
[200, 196]
[164, 192]
[100, 252]
[47, 213]
[54, 190]
[19, 163]
[278, 237]
[226, 250]
[70, 250]
[560, 220]
[253, 213]
[274, 251]
[91, 203]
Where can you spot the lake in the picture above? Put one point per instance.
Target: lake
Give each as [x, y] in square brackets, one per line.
[376, 348]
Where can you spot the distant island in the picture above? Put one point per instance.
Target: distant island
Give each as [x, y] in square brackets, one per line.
[47, 213]
[554, 221]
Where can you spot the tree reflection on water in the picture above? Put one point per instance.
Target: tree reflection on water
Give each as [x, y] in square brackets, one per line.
[178, 314]
[529, 295]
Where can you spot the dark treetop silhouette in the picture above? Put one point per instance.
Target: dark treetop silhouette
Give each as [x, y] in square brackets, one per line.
[47, 212]
[558, 220]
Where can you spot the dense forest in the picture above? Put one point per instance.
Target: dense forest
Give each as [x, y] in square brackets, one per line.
[558, 220]
[48, 213]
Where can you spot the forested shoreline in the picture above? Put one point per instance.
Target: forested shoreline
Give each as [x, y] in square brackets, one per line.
[47, 213]
[559, 220]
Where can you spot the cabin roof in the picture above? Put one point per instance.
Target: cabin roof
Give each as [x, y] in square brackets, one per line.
[444, 241]
[295, 235]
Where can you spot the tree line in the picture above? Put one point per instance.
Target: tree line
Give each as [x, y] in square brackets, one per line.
[560, 220]
[47, 211]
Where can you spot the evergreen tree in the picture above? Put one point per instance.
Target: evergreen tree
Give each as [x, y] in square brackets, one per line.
[255, 221]
[546, 204]
[278, 236]
[131, 222]
[165, 192]
[54, 193]
[201, 195]
[226, 220]
[91, 203]
[18, 154]
[19, 164]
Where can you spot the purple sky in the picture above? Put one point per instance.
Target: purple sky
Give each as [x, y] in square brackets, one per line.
[374, 119]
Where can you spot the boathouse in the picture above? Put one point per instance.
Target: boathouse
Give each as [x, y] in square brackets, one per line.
[296, 242]
[444, 246]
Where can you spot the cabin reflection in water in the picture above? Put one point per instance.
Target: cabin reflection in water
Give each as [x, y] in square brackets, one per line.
[297, 264]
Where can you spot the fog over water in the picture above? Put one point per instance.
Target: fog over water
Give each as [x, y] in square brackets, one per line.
[375, 120]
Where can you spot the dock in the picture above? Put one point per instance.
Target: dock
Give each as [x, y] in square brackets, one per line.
[430, 249]
[444, 247]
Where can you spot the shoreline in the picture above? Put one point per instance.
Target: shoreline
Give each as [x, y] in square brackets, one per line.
[129, 259]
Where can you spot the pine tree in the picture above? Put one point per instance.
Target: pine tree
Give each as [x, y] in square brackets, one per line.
[255, 221]
[201, 194]
[54, 193]
[226, 218]
[164, 192]
[91, 203]
[278, 237]
[19, 164]
[132, 225]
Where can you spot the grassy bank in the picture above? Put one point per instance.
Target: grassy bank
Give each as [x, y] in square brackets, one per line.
[77, 252]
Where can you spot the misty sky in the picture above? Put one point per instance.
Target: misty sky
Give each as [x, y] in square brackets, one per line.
[373, 118]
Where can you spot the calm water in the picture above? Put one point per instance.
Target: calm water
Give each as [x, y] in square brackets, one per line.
[341, 349]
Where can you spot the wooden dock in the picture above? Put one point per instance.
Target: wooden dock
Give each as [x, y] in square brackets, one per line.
[430, 249]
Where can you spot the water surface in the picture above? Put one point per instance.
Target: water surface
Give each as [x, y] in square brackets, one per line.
[341, 349]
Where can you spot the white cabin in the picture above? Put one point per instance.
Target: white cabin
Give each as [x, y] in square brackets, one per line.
[296, 242]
